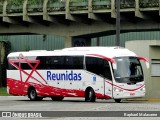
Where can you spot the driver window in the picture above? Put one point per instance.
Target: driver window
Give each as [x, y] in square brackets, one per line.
[98, 66]
[107, 71]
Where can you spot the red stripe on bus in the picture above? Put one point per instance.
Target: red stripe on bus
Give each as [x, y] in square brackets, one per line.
[125, 88]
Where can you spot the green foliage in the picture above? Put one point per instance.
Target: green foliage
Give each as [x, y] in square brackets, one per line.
[3, 91]
[1, 2]
[19, 2]
[35, 2]
[15, 2]
[149, 3]
[53, 1]
[78, 0]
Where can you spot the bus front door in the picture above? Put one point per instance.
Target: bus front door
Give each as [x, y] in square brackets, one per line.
[108, 91]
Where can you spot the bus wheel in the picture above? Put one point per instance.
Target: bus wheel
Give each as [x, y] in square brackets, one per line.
[117, 100]
[57, 98]
[33, 95]
[90, 95]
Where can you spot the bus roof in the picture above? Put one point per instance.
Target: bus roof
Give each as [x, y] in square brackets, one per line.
[105, 51]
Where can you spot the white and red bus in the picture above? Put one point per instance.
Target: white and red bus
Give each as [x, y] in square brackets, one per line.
[89, 72]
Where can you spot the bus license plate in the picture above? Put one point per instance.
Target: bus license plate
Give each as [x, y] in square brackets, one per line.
[132, 94]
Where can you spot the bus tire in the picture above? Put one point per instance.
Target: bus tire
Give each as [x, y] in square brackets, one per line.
[90, 95]
[32, 95]
[117, 100]
[57, 98]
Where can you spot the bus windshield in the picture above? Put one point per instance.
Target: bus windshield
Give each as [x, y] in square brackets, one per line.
[128, 70]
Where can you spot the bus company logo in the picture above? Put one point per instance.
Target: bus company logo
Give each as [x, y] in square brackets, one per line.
[6, 114]
[68, 75]
[22, 59]
[94, 78]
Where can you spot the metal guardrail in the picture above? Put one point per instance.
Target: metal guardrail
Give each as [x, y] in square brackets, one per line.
[16, 6]
[35, 6]
[103, 4]
[82, 5]
[127, 4]
[149, 3]
[55, 6]
[14, 9]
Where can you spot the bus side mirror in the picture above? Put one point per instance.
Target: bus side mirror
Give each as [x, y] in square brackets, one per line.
[145, 60]
[147, 64]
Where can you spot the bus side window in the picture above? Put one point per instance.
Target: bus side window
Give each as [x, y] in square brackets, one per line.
[78, 62]
[69, 62]
[98, 66]
[95, 65]
[25, 66]
[73, 62]
[55, 62]
[11, 67]
[42, 62]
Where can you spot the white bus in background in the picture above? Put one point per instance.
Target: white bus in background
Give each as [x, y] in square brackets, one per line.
[89, 72]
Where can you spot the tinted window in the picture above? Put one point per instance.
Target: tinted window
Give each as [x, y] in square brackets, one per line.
[26, 66]
[98, 66]
[73, 62]
[42, 64]
[55, 62]
[11, 67]
[107, 70]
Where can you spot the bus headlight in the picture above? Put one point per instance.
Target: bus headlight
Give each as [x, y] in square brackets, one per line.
[117, 89]
[143, 89]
